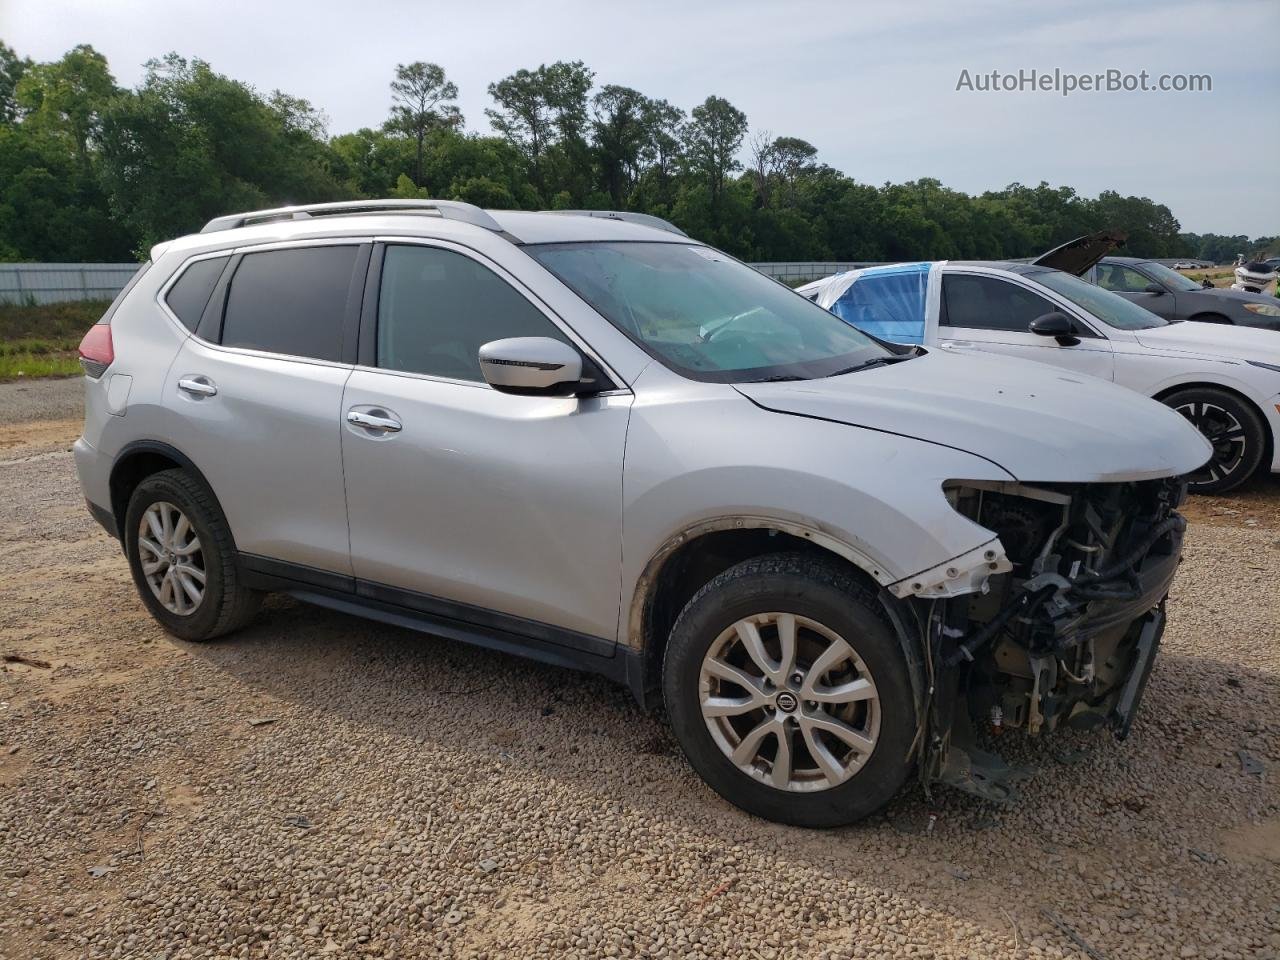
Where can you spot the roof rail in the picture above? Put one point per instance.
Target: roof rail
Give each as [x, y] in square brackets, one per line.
[644, 219]
[448, 209]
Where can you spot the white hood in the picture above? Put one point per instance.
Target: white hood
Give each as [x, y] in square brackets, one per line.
[1214, 340]
[1038, 423]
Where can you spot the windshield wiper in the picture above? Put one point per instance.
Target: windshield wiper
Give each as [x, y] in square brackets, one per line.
[874, 362]
[780, 378]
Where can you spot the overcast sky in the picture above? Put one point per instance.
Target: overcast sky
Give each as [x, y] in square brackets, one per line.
[872, 85]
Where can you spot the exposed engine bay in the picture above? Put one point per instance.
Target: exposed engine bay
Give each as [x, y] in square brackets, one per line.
[1066, 637]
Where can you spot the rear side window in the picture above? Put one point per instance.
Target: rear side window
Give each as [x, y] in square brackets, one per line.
[190, 295]
[437, 309]
[986, 303]
[290, 301]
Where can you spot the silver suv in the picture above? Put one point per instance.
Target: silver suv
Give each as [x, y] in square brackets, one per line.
[590, 440]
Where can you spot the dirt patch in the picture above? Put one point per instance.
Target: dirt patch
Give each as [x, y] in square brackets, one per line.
[412, 798]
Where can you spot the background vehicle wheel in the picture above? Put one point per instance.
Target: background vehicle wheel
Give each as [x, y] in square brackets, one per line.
[789, 693]
[183, 559]
[1235, 430]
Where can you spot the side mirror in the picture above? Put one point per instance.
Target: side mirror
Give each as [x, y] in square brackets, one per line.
[1057, 325]
[1207, 284]
[531, 365]
[1153, 288]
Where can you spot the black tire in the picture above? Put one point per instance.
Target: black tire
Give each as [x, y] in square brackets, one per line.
[809, 587]
[1235, 429]
[226, 603]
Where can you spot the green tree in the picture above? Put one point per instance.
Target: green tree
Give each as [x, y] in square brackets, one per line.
[190, 144]
[621, 138]
[538, 110]
[12, 67]
[66, 98]
[421, 96]
[711, 142]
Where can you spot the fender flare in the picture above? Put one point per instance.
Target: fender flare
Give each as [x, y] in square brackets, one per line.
[643, 591]
[896, 609]
[129, 450]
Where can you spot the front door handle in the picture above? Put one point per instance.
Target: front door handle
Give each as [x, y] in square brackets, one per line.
[371, 421]
[198, 386]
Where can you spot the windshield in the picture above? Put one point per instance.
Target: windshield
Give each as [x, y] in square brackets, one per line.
[1170, 278]
[704, 314]
[1110, 308]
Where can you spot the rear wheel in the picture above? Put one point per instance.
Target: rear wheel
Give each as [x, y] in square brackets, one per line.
[1233, 427]
[183, 559]
[789, 693]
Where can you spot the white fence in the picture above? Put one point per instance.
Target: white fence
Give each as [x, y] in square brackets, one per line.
[55, 282]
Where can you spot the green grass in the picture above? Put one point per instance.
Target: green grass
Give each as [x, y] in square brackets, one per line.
[41, 341]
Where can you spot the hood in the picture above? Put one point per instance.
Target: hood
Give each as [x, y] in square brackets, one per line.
[1078, 255]
[1038, 423]
[1216, 341]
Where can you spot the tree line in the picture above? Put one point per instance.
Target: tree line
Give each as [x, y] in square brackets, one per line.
[91, 171]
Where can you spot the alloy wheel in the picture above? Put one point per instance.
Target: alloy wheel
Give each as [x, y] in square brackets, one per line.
[171, 558]
[1221, 428]
[789, 702]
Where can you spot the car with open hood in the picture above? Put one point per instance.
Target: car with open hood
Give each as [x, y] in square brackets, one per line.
[1173, 296]
[590, 440]
[1225, 380]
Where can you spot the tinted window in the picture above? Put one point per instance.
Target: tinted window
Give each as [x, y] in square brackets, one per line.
[188, 297]
[290, 301]
[1110, 308]
[437, 309]
[1170, 278]
[1113, 276]
[988, 303]
[705, 315]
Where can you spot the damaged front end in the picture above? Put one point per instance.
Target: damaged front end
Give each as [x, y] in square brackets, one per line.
[1066, 636]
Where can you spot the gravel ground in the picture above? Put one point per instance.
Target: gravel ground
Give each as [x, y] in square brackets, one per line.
[322, 786]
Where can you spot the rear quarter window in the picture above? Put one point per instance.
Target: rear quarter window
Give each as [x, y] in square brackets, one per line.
[188, 297]
[290, 301]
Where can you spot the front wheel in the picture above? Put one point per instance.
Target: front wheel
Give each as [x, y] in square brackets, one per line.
[789, 692]
[1233, 427]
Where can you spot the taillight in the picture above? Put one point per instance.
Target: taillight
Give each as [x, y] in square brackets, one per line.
[96, 351]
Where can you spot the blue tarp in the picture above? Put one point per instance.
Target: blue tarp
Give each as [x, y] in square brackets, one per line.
[888, 302]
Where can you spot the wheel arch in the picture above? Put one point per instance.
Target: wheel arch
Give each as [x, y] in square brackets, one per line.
[138, 460]
[693, 557]
[1268, 437]
[1211, 316]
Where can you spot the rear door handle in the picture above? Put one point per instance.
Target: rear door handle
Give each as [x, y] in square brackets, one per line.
[198, 386]
[372, 421]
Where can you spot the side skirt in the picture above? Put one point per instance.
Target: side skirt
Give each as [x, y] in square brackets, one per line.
[445, 618]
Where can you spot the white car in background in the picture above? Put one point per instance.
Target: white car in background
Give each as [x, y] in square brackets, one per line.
[1224, 379]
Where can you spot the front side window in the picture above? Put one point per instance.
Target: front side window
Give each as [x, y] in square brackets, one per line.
[290, 301]
[703, 314]
[989, 303]
[437, 308]
[889, 304]
[188, 297]
[1170, 278]
[1110, 308]
[1121, 279]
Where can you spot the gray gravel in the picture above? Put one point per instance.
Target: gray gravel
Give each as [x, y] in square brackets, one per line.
[409, 797]
[23, 401]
